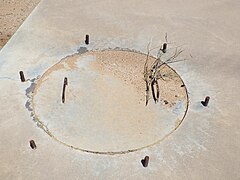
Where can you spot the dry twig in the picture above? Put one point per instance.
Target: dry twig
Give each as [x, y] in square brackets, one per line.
[152, 72]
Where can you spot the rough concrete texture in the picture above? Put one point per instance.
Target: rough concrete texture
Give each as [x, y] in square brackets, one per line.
[205, 146]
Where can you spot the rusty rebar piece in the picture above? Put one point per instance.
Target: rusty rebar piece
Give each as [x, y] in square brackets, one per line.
[65, 83]
[22, 76]
[87, 39]
[33, 144]
[153, 91]
[145, 161]
[206, 101]
[164, 49]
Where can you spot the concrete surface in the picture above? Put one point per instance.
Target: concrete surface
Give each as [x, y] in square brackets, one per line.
[205, 146]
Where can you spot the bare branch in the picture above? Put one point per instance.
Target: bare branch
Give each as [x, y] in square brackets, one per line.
[152, 71]
[147, 92]
[157, 87]
[166, 37]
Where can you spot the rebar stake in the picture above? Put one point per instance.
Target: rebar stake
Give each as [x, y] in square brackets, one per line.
[22, 76]
[206, 101]
[164, 49]
[65, 83]
[87, 39]
[145, 161]
[33, 145]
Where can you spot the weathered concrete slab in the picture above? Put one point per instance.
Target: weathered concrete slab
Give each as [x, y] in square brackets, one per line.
[205, 146]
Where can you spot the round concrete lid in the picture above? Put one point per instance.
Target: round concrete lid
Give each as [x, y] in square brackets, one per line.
[104, 109]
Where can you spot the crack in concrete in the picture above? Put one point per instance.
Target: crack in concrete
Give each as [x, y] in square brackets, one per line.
[29, 93]
[82, 50]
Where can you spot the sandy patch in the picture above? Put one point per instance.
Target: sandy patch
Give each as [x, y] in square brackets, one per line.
[12, 15]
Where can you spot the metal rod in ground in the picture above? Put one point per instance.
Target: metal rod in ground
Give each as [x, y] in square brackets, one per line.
[206, 101]
[153, 91]
[22, 76]
[145, 161]
[164, 49]
[33, 145]
[65, 83]
[87, 39]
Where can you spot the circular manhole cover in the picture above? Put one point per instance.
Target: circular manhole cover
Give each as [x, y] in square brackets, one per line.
[104, 111]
